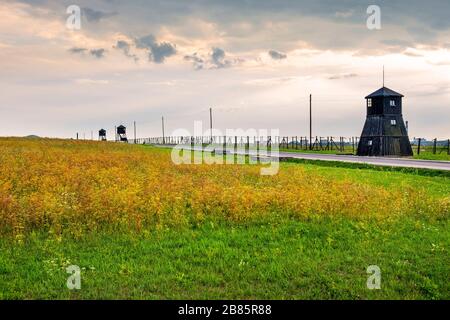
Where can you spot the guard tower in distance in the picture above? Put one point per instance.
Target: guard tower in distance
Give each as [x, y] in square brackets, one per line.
[122, 133]
[102, 135]
[384, 133]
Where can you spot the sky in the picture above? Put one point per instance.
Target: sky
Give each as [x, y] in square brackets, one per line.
[254, 62]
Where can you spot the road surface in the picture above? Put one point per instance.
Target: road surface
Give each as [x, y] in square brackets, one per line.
[378, 161]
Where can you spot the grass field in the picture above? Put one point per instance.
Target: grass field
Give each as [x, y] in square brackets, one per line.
[141, 227]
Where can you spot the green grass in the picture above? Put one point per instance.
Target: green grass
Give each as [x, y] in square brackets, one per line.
[441, 156]
[433, 182]
[317, 259]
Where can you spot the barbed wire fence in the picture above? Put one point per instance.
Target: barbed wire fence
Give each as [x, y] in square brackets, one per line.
[347, 145]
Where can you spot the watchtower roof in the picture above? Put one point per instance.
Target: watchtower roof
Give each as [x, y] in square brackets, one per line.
[384, 92]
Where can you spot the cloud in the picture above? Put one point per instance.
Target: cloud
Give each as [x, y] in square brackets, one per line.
[216, 59]
[343, 76]
[285, 24]
[196, 60]
[77, 50]
[276, 55]
[157, 52]
[95, 16]
[98, 53]
[125, 47]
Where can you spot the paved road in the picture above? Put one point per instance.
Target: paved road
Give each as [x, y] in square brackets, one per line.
[378, 161]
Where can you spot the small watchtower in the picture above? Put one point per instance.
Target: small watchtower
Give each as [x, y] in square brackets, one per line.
[102, 135]
[122, 133]
[384, 133]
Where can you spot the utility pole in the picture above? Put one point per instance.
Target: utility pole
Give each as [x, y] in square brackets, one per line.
[310, 122]
[210, 124]
[164, 139]
[134, 132]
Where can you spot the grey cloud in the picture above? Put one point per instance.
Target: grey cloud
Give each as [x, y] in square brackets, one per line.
[218, 58]
[157, 52]
[98, 53]
[343, 76]
[95, 15]
[196, 60]
[121, 44]
[77, 50]
[319, 24]
[125, 47]
[276, 55]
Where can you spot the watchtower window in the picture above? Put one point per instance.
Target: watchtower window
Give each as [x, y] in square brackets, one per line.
[369, 102]
[392, 103]
[393, 122]
[369, 143]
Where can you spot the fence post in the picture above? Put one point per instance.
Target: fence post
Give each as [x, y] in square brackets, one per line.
[353, 144]
[434, 145]
[418, 146]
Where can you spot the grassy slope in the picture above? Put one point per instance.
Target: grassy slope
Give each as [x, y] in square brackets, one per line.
[316, 257]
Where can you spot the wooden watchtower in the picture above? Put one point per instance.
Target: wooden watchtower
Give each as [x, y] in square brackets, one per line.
[122, 133]
[384, 133]
[102, 135]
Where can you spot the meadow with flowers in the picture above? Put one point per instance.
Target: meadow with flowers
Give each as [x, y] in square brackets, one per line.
[142, 227]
